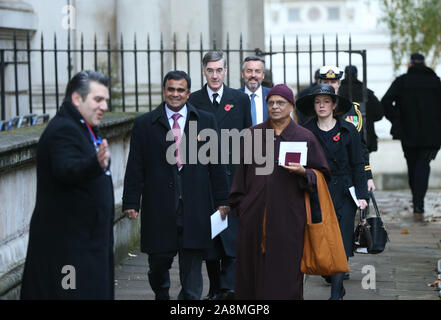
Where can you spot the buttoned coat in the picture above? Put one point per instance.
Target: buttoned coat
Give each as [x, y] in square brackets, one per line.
[72, 223]
[347, 169]
[235, 116]
[151, 177]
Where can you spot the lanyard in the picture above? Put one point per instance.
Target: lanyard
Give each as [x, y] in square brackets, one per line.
[96, 141]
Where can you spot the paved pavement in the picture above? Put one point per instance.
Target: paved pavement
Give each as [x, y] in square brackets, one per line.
[402, 272]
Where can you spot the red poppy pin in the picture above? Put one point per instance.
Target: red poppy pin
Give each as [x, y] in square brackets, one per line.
[336, 137]
[228, 107]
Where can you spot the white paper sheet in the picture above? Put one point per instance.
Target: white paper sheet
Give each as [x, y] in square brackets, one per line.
[361, 250]
[293, 146]
[352, 191]
[217, 224]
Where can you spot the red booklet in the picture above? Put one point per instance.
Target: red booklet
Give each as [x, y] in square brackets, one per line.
[292, 157]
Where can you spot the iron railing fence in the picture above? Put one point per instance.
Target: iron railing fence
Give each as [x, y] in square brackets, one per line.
[282, 65]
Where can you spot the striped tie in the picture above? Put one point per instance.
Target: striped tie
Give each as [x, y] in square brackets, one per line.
[177, 134]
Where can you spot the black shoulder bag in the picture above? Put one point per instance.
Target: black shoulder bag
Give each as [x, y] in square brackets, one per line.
[378, 232]
[370, 236]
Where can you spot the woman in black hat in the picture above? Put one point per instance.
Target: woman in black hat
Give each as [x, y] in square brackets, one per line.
[342, 146]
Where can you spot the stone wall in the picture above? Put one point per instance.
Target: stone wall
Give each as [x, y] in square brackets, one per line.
[18, 191]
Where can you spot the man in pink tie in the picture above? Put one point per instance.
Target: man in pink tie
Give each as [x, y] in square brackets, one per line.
[177, 196]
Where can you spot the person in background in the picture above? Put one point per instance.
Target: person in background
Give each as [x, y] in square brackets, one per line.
[341, 143]
[253, 73]
[70, 250]
[413, 105]
[374, 109]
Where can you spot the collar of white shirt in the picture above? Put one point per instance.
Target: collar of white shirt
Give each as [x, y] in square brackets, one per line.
[220, 92]
[182, 112]
[258, 92]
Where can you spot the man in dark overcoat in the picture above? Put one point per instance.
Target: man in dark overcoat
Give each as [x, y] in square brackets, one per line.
[232, 111]
[178, 195]
[413, 105]
[70, 251]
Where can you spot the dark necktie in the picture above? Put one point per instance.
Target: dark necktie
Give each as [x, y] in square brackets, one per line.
[177, 134]
[215, 103]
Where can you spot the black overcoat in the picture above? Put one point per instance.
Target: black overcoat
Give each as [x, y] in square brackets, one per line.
[150, 176]
[238, 116]
[413, 105]
[347, 170]
[374, 109]
[355, 117]
[72, 223]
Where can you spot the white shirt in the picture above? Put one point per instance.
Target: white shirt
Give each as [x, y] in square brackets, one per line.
[258, 99]
[181, 120]
[220, 92]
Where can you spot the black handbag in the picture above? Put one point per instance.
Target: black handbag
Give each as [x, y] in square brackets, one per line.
[362, 240]
[370, 236]
[378, 232]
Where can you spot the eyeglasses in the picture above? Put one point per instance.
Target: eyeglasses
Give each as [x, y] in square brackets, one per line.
[279, 103]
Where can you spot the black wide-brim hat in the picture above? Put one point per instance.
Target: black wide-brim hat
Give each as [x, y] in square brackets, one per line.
[306, 103]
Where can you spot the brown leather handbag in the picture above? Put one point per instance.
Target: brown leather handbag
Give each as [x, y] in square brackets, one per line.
[323, 251]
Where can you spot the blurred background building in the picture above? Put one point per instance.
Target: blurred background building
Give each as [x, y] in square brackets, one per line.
[177, 33]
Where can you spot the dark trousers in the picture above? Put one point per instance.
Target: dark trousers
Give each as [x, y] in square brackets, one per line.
[190, 273]
[418, 170]
[337, 286]
[221, 274]
[190, 268]
[220, 271]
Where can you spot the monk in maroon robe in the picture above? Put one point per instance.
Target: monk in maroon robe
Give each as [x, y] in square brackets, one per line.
[271, 207]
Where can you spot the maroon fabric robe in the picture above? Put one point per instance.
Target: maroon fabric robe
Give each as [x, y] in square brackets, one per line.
[272, 218]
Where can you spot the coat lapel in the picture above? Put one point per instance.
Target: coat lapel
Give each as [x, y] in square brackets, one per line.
[264, 106]
[204, 101]
[226, 99]
[160, 117]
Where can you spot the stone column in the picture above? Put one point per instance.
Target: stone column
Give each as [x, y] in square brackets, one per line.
[16, 17]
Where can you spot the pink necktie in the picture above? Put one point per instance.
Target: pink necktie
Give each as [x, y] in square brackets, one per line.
[177, 134]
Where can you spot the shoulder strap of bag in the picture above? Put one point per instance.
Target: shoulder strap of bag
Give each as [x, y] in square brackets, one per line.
[374, 202]
[308, 208]
[363, 214]
[326, 204]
